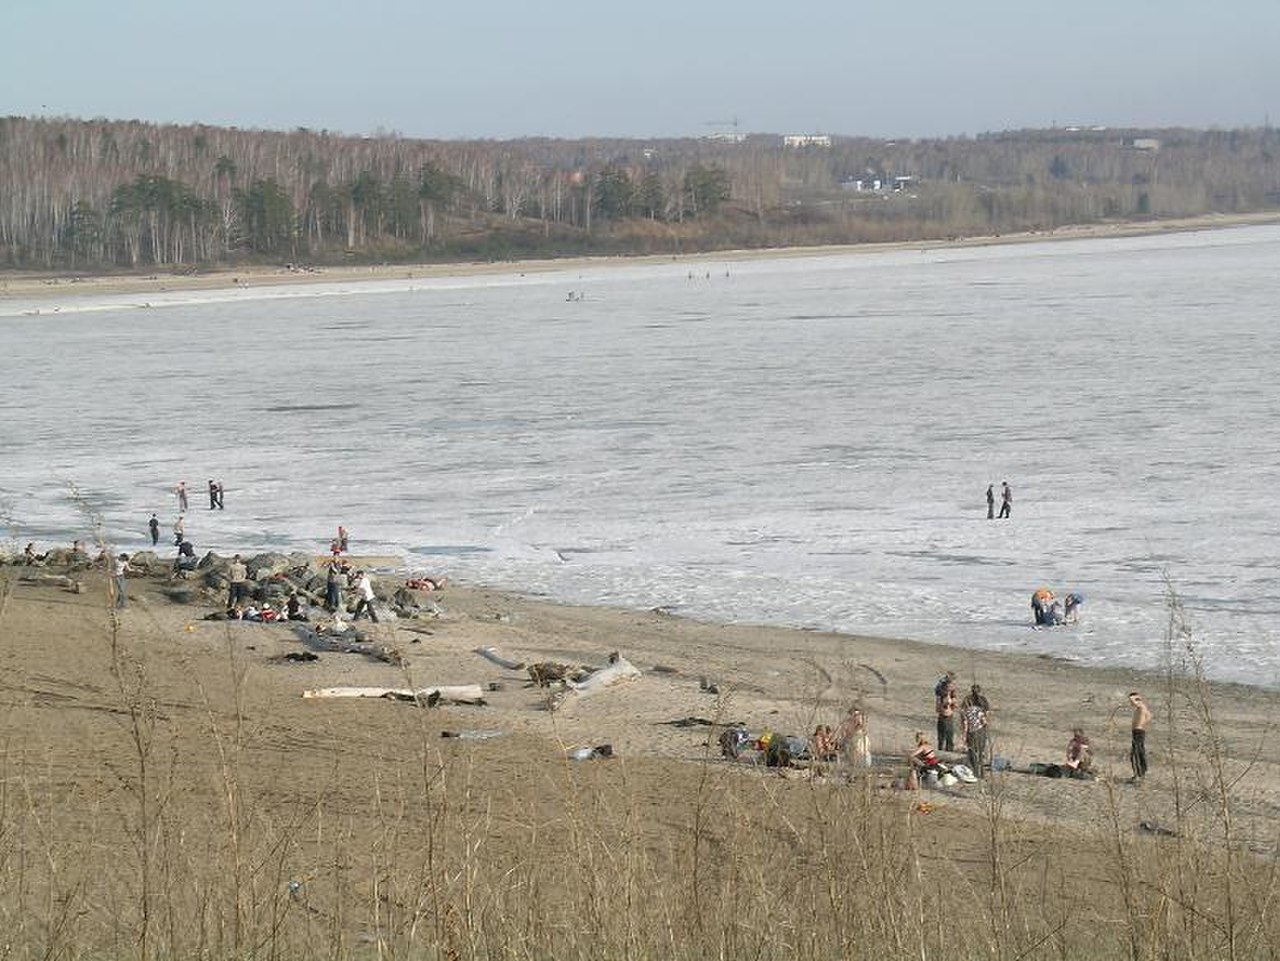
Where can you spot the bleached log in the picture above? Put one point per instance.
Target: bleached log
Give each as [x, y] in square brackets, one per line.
[453, 693]
[51, 580]
[491, 654]
[617, 672]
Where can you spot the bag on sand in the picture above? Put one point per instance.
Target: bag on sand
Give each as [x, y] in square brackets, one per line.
[963, 772]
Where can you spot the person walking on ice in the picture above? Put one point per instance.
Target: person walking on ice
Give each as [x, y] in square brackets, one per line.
[1006, 499]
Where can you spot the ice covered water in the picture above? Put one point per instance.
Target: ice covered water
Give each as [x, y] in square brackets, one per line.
[802, 441]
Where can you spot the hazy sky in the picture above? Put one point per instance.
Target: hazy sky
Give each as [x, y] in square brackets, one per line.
[567, 68]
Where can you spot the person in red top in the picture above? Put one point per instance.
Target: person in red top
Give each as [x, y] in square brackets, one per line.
[923, 757]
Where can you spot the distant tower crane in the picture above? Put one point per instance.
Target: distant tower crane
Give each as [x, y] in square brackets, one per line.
[724, 129]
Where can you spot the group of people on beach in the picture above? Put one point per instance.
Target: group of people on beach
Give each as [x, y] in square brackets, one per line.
[971, 719]
[341, 576]
[968, 717]
[295, 609]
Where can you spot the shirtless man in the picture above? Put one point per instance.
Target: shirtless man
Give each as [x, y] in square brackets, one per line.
[1138, 747]
[945, 705]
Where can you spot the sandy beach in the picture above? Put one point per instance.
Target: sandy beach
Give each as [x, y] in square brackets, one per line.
[64, 284]
[216, 709]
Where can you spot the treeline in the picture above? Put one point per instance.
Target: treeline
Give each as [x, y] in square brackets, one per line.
[103, 195]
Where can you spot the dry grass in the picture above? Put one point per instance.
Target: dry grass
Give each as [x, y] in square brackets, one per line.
[161, 802]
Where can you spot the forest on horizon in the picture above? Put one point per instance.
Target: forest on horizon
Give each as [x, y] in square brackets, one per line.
[106, 195]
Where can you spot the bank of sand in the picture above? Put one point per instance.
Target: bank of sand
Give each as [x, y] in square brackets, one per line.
[182, 750]
[62, 285]
[55, 647]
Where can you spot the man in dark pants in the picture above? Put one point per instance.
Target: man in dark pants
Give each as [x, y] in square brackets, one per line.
[153, 525]
[973, 715]
[364, 597]
[1006, 499]
[237, 578]
[946, 709]
[1138, 746]
[991, 501]
[213, 495]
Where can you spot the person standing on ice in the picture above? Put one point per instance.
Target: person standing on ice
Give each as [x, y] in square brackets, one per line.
[991, 501]
[1006, 499]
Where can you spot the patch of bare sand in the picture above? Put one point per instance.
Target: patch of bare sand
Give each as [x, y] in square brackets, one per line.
[185, 745]
[56, 665]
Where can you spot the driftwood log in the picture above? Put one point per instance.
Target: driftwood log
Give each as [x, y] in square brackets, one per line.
[618, 671]
[491, 654]
[349, 643]
[452, 693]
[52, 580]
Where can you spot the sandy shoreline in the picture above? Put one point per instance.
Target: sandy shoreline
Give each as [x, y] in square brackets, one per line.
[64, 284]
[781, 679]
[203, 727]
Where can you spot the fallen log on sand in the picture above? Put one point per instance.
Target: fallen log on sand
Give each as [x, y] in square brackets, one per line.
[52, 580]
[349, 643]
[619, 670]
[491, 654]
[453, 693]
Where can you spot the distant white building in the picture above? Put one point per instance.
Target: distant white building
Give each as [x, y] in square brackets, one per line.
[797, 140]
[877, 184]
[1145, 143]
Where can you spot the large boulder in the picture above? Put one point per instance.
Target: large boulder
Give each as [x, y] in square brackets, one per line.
[180, 594]
[301, 559]
[148, 562]
[215, 561]
[262, 566]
